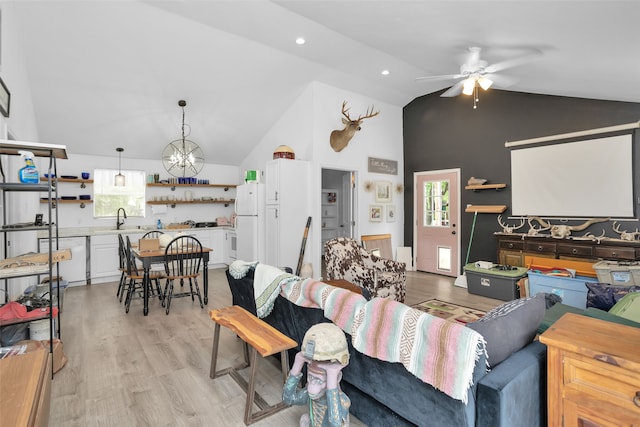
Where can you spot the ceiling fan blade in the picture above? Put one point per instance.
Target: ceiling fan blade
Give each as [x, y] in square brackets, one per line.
[442, 77]
[454, 90]
[500, 80]
[499, 66]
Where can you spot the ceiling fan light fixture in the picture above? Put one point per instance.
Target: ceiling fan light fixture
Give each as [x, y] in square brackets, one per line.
[485, 83]
[468, 86]
[119, 178]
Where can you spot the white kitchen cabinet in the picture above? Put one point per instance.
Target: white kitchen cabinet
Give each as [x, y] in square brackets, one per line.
[287, 210]
[74, 270]
[105, 258]
[217, 244]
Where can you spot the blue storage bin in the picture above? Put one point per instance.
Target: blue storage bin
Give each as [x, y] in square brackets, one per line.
[573, 291]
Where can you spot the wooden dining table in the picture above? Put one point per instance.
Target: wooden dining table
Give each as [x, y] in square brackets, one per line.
[156, 256]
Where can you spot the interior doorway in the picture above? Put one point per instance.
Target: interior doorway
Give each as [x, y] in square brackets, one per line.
[337, 203]
[437, 212]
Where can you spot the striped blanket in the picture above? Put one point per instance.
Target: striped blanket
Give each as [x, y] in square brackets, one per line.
[440, 353]
[339, 305]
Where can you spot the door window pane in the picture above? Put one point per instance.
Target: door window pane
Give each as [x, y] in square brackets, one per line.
[436, 203]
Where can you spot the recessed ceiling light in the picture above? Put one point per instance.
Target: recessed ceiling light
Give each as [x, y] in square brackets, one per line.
[300, 40]
[385, 72]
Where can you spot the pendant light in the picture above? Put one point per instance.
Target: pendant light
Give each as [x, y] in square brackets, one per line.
[182, 157]
[119, 181]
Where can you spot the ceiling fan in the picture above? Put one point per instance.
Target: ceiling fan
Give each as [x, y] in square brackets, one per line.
[476, 72]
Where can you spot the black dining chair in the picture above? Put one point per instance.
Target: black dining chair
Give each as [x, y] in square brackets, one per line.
[182, 261]
[122, 255]
[152, 234]
[135, 278]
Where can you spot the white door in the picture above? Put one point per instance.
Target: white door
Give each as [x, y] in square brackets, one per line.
[436, 235]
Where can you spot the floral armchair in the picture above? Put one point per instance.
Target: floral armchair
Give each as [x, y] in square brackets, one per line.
[346, 259]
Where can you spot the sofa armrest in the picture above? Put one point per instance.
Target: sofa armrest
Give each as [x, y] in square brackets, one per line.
[514, 392]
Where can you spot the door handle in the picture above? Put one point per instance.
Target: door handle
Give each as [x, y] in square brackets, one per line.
[453, 232]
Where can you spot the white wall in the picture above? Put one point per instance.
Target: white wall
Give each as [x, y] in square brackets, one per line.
[71, 215]
[306, 127]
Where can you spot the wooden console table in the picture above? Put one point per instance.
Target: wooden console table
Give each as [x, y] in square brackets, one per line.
[512, 249]
[593, 372]
[25, 389]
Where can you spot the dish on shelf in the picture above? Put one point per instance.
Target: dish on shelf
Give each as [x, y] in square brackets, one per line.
[84, 197]
[46, 175]
[46, 199]
[68, 197]
[69, 176]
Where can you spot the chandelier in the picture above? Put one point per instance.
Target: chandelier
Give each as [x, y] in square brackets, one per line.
[183, 157]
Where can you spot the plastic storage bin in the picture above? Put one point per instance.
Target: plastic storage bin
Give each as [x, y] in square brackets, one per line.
[62, 284]
[618, 273]
[572, 290]
[493, 282]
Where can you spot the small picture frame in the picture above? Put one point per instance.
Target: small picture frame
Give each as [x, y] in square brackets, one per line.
[375, 213]
[391, 213]
[5, 99]
[383, 192]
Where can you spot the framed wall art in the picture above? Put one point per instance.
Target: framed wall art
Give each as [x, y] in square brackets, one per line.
[5, 99]
[391, 213]
[375, 213]
[383, 192]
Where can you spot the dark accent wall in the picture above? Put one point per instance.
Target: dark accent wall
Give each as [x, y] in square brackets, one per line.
[446, 133]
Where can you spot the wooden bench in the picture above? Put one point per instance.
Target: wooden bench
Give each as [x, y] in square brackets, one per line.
[263, 339]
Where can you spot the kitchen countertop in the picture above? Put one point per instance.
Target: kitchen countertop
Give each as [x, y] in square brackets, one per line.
[101, 231]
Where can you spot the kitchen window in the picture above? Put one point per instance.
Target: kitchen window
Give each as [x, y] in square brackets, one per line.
[107, 198]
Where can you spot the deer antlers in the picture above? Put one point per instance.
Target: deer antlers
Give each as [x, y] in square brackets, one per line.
[339, 139]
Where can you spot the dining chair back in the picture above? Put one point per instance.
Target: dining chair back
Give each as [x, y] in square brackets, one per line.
[122, 266]
[155, 234]
[135, 278]
[182, 262]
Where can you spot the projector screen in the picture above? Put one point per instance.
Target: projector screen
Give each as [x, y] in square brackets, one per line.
[590, 178]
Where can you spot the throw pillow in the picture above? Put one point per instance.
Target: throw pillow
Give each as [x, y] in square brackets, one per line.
[510, 326]
[604, 296]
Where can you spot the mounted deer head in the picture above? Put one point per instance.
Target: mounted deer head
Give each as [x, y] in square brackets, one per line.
[340, 138]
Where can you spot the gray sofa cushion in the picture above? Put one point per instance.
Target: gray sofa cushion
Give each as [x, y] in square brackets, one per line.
[510, 326]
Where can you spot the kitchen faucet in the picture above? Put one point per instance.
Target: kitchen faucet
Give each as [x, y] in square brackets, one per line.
[118, 223]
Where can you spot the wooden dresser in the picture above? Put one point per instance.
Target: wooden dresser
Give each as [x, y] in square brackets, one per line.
[513, 248]
[25, 389]
[593, 373]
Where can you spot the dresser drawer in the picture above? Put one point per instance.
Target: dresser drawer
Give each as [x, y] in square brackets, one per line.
[587, 378]
[612, 252]
[574, 250]
[540, 247]
[513, 245]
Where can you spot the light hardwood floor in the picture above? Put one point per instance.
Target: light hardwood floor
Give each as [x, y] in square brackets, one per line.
[131, 370]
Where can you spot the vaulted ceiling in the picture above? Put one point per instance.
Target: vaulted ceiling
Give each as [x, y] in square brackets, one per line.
[107, 74]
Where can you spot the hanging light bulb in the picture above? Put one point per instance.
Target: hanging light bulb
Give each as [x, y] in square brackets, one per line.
[468, 85]
[119, 181]
[485, 83]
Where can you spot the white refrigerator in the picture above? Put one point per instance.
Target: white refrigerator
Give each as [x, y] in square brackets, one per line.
[250, 222]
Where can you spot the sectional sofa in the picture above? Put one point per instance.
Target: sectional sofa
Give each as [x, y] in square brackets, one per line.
[513, 392]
